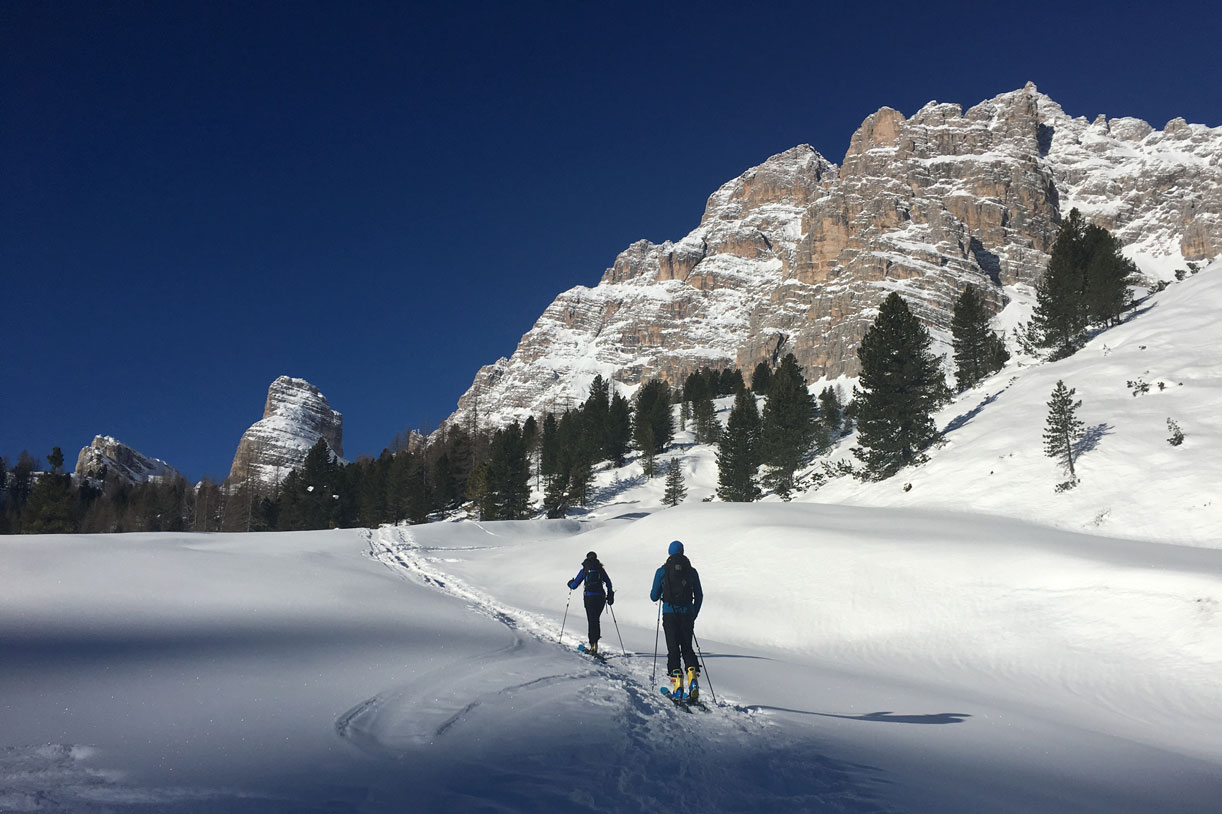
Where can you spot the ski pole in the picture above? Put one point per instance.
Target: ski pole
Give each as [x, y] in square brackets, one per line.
[566, 615]
[704, 666]
[617, 633]
[653, 673]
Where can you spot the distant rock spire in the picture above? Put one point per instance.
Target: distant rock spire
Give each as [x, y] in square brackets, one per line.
[295, 416]
[107, 456]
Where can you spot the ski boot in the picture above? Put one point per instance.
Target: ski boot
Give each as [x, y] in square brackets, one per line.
[592, 649]
[693, 690]
[676, 684]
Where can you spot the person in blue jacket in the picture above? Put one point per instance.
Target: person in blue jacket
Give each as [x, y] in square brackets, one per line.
[594, 576]
[677, 584]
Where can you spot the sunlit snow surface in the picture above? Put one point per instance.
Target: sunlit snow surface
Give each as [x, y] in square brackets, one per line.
[975, 643]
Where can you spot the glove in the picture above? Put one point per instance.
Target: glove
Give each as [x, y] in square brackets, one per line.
[571, 586]
[610, 597]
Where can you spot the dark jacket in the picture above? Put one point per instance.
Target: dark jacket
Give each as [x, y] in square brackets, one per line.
[656, 592]
[597, 588]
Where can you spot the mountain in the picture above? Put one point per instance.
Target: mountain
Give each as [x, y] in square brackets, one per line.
[295, 416]
[109, 456]
[796, 254]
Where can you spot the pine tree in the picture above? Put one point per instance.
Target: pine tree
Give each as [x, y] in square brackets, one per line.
[4, 519]
[619, 430]
[738, 457]
[1086, 283]
[549, 448]
[1063, 428]
[788, 429]
[596, 415]
[317, 502]
[418, 498]
[1060, 314]
[653, 428]
[506, 494]
[571, 472]
[676, 490]
[50, 508]
[978, 351]
[731, 382]
[1106, 277]
[698, 391]
[761, 379]
[901, 385]
[645, 444]
[830, 412]
[704, 420]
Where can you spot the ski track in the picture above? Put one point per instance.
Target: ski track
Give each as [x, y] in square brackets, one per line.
[728, 758]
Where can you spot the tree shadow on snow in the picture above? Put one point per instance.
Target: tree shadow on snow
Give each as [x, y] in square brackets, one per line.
[616, 488]
[884, 717]
[959, 420]
[1091, 438]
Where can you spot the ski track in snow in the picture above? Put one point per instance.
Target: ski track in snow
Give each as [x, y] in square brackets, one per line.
[644, 753]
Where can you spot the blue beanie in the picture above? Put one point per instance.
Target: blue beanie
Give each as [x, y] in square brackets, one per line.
[675, 548]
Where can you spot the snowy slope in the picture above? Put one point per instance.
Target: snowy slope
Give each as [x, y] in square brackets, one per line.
[863, 660]
[1133, 482]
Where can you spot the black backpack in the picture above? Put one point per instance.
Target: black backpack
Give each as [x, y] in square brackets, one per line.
[594, 577]
[677, 588]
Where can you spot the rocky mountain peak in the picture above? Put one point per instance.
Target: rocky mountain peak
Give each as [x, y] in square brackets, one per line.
[295, 415]
[794, 255]
[108, 457]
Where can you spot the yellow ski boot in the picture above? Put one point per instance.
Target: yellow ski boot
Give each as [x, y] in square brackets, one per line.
[676, 684]
[693, 690]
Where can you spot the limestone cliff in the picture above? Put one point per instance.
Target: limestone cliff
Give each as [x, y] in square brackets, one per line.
[109, 457]
[295, 416]
[796, 254]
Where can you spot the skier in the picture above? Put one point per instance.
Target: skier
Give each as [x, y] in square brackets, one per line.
[594, 575]
[677, 584]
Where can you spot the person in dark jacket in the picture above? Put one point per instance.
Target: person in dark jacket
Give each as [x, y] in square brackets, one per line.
[677, 584]
[595, 577]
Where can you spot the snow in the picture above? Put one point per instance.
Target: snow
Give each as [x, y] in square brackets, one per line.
[975, 643]
[862, 659]
[1133, 482]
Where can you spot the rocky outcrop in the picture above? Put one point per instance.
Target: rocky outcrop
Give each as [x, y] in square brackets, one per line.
[107, 457]
[796, 254]
[295, 416]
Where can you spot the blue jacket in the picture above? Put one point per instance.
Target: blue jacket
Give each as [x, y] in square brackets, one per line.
[655, 594]
[581, 575]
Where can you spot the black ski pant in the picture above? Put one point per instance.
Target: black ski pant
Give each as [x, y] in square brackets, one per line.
[679, 629]
[594, 609]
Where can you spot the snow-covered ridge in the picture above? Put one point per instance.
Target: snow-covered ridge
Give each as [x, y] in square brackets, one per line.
[795, 254]
[109, 456]
[295, 416]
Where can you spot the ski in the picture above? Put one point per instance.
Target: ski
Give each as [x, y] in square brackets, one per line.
[684, 700]
[582, 648]
[677, 700]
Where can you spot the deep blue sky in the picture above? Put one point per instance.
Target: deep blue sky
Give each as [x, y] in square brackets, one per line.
[198, 197]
